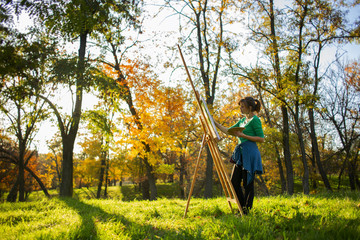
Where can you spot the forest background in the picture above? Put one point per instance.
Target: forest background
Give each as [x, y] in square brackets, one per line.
[143, 128]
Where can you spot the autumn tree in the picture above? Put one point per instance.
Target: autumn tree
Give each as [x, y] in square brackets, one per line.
[352, 75]
[121, 167]
[9, 160]
[113, 42]
[8, 170]
[54, 157]
[88, 165]
[178, 128]
[140, 90]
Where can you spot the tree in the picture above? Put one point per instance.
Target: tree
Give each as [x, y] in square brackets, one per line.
[293, 39]
[24, 68]
[176, 128]
[89, 164]
[319, 24]
[100, 123]
[76, 19]
[9, 156]
[136, 78]
[268, 32]
[55, 156]
[203, 32]
[340, 107]
[352, 76]
[8, 171]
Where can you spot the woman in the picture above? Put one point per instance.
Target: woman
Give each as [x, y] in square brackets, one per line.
[246, 155]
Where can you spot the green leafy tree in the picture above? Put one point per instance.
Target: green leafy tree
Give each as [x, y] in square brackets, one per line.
[202, 30]
[293, 38]
[101, 124]
[267, 31]
[76, 20]
[23, 71]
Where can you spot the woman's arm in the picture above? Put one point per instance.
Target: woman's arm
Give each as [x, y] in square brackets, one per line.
[251, 138]
[221, 127]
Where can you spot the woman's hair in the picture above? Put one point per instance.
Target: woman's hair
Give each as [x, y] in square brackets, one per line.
[251, 102]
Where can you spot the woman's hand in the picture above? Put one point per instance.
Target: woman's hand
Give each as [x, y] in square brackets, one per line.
[221, 127]
[239, 134]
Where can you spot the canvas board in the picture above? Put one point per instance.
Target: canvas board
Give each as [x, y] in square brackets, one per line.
[232, 131]
[209, 119]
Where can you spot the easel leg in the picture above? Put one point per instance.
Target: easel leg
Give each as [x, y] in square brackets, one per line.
[195, 173]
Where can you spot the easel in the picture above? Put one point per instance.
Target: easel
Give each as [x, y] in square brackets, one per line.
[210, 139]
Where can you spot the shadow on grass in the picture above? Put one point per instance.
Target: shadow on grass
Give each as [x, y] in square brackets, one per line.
[121, 227]
[165, 190]
[132, 192]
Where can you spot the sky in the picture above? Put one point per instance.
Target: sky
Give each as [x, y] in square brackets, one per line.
[153, 26]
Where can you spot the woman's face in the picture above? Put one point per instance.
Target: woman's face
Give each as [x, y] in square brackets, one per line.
[244, 108]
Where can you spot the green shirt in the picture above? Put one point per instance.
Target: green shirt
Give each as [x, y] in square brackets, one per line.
[252, 127]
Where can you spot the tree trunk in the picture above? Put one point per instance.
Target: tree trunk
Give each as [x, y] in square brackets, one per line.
[287, 155]
[149, 184]
[208, 174]
[313, 171]
[306, 185]
[181, 176]
[42, 186]
[281, 171]
[145, 188]
[305, 178]
[278, 158]
[355, 167]
[171, 178]
[66, 185]
[106, 175]
[341, 172]
[262, 183]
[21, 173]
[352, 169]
[101, 174]
[357, 182]
[284, 111]
[352, 175]
[68, 139]
[151, 179]
[302, 15]
[11, 197]
[315, 149]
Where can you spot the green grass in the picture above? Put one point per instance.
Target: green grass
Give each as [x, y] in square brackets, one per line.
[320, 216]
[124, 193]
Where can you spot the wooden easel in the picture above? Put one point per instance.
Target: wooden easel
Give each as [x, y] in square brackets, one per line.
[211, 140]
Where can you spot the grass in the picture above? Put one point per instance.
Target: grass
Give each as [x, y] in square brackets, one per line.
[125, 193]
[320, 216]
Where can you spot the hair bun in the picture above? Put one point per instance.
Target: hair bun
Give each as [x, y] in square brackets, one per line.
[253, 103]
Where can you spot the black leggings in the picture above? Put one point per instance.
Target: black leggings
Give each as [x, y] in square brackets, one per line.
[240, 175]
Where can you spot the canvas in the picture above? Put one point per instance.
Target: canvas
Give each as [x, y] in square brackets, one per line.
[209, 119]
